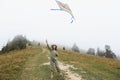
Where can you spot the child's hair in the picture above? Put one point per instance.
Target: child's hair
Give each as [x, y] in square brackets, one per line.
[55, 46]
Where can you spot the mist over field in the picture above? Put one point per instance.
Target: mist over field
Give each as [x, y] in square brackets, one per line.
[96, 24]
[59, 39]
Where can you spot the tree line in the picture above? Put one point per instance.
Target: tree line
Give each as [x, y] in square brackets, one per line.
[20, 42]
[108, 53]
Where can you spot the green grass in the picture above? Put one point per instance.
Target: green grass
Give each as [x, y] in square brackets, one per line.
[25, 65]
[43, 72]
[14, 64]
[11, 64]
[92, 67]
[35, 68]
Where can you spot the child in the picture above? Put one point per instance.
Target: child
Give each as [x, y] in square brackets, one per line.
[53, 58]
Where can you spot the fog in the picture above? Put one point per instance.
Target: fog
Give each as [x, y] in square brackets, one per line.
[96, 24]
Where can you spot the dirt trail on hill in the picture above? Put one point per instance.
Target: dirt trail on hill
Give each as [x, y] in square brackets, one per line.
[32, 65]
[69, 75]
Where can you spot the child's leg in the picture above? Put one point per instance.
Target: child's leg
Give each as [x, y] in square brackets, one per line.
[51, 68]
[51, 75]
[51, 65]
[57, 66]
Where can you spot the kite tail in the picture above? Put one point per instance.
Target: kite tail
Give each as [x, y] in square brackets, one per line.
[55, 9]
[72, 19]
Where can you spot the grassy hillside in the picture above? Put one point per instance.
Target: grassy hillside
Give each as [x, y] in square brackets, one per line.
[11, 64]
[27, 65]
[92, 67]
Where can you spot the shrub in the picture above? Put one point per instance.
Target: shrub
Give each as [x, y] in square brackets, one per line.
[91, 51]
[19, 42]
[75, 48]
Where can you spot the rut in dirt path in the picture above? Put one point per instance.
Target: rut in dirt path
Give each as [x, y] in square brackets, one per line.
[30, 69]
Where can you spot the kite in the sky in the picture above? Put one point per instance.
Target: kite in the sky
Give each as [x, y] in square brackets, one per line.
[64, 7]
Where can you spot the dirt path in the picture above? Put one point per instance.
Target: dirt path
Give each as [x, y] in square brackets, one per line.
[69, 75]
[32, 69]
[29, 69]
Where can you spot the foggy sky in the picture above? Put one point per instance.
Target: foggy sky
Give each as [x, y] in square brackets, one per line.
[97, 22]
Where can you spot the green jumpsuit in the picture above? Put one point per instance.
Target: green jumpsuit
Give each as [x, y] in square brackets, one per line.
[53, 59]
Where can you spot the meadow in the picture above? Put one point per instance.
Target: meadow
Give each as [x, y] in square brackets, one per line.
[26, 65]
[11, 64]
[92, 67]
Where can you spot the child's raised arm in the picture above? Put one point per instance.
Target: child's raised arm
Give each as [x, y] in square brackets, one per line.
[48, 45]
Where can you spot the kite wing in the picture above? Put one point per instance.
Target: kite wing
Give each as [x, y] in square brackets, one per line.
[64, 7]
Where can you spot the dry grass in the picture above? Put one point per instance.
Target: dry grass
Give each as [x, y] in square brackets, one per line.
[90, 67]
[96, 68]
[12, 63]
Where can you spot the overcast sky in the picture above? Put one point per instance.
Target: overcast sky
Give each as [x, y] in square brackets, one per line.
[97, 22]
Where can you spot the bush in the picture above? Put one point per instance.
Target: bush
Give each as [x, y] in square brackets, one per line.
[91, 51]
[109, 53]
[100, 53]
[19, 42]
[75, 48]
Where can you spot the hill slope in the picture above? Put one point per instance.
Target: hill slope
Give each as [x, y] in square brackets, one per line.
[32, 64]
[92, 67]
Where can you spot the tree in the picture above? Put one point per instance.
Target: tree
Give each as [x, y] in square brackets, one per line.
[109, 53]
[63, 48]
[100, 52]
[75, 48]
[19, 42]
[91, 51]
[38, 44]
